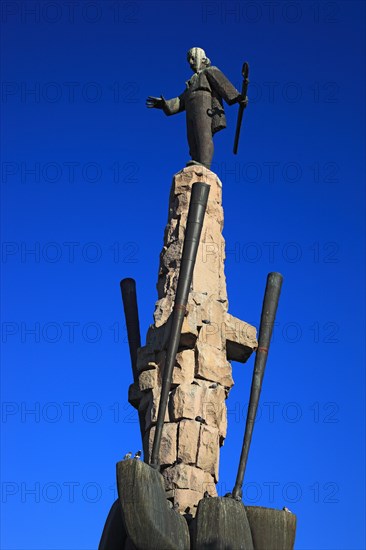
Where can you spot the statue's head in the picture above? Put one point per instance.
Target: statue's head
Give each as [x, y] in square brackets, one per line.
[197, 59]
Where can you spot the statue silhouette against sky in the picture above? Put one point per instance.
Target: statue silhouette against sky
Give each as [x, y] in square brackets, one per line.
[203, 102]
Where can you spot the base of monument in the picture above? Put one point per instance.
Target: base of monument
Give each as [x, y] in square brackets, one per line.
[142, 519]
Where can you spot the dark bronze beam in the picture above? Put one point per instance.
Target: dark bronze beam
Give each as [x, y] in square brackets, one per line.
[244, 90]
[129, 299]
[269, 308]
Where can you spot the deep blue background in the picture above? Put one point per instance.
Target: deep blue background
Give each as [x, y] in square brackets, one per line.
[94, 209]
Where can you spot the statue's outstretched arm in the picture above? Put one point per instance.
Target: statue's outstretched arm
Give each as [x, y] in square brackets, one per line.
[155, 102]
[169, 106]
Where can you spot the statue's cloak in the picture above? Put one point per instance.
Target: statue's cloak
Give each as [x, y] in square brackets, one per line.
[212, 80]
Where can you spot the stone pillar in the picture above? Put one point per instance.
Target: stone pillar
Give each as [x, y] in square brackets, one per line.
[195, 423]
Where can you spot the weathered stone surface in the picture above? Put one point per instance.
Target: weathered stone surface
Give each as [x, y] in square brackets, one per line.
[188, 438]
[168, 449]
[194, 315]
[145, 400]
[134, 395]
[213, 314]
[152, 409]
[145, 356]
[213, 365]
[183, 476]
[186, 402]
[241, 338]
[183, 371]
[163, 310]
[208, 450]
[183, 180]
[207, 275]
[187, 500]
[174, 231]
[189, 332]
[157, 337]
[149, 379]
[214, 408]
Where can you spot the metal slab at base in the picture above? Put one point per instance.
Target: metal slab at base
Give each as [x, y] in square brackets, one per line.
[149, 521]
[114, 535]
[221, 524]
[271, 529]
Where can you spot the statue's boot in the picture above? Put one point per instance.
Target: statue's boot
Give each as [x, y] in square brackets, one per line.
[221, 524]
[148, 520]
[271, 528]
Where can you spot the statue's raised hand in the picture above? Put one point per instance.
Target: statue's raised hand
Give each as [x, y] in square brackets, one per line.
[155, 102]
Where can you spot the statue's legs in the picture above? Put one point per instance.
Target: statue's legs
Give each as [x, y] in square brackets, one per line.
[199, 131]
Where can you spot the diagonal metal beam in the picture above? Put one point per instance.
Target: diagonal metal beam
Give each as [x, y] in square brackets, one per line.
[269, 308]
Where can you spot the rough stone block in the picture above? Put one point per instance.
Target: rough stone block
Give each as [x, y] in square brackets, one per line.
[214, 408]
[145, 400]
[163, 310]
[157, 337]
[188, 437]
[171, 254]
[186, 402]
[134, 395]
[241, 338]
[187, 499]
[213, 315]
[213, 365]
[168, 448]
[183, 180]
[189, 332]
[149, 379]
[206, 274]
[152, 408]
[183, 371]
[145, 356]
[208, 450]
[183, 476]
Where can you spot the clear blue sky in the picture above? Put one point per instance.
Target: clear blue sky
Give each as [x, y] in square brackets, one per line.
[86, 173]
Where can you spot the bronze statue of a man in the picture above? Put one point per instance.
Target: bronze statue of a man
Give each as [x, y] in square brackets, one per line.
[202, 101]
